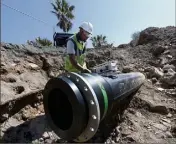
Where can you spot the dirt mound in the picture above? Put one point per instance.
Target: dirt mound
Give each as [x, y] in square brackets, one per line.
[150, 117]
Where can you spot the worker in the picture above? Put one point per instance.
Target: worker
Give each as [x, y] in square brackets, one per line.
[75, 50]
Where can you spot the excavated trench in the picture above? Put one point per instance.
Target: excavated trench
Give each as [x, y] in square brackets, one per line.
[12, 107]
[28, 110]
[23, 120]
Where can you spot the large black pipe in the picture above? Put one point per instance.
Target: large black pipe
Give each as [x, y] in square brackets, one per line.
[75, 104]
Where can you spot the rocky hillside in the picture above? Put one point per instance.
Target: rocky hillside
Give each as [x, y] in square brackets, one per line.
[150, 117]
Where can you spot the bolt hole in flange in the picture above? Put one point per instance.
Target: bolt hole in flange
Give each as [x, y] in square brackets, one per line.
[94, 117]
[85, 88]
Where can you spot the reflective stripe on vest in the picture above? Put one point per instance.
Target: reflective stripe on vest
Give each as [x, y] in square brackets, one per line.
[79, 55]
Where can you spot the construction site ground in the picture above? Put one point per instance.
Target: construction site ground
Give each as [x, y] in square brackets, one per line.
[149, 118]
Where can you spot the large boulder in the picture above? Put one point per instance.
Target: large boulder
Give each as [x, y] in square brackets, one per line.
[168, 66]
[154, 35]
[169, 77]
[124, 46]
[146, 36]
[156, 51]
[154, 72]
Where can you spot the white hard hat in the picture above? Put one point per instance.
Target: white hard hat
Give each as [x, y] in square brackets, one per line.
[87, 26]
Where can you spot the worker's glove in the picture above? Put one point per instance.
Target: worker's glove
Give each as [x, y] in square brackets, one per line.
[87, 70]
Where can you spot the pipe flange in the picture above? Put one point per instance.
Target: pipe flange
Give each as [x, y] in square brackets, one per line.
[93, 105]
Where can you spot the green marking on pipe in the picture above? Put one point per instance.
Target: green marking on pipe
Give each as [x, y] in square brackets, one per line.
[105, 97]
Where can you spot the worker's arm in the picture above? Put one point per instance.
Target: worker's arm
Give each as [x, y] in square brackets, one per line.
[75, 63]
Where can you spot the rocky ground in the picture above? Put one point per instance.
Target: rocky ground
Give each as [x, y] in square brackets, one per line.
[149, 118]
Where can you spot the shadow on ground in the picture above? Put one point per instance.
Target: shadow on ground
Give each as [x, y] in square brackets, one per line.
[37, 129]
[26, 132]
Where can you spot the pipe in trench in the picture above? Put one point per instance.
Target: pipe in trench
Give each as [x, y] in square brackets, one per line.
[75, 104]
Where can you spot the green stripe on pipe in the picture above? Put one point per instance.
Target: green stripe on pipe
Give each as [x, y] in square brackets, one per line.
[105, 97]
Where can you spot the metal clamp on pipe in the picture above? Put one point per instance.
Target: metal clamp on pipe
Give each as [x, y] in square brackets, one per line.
[75, 104]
